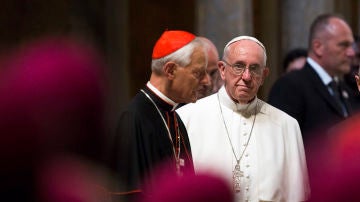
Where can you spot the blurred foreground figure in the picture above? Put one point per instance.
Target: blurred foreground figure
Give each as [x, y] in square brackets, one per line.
[203, 186]
[51, 122]
[337, 177]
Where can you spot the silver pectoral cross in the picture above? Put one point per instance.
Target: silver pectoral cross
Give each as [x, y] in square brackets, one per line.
[179, 163]
[237, 173]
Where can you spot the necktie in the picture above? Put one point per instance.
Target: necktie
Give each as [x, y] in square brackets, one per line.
[338, 96]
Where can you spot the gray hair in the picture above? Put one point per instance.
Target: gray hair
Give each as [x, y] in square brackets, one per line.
[239, 38]
[181, 56]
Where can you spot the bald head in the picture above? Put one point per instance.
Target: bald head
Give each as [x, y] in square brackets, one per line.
[330, 43]
[212, 69]
[210, 47]
[325, 25]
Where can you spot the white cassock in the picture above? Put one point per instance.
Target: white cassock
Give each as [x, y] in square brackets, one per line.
[273, 162]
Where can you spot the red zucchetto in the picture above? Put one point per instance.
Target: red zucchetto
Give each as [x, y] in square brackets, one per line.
[171, 41]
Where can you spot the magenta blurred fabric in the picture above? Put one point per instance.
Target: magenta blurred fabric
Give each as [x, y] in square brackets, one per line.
[166, 186]
[334, 163]
[52, 95]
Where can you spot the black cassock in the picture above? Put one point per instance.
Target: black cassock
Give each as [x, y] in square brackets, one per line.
[142, 143]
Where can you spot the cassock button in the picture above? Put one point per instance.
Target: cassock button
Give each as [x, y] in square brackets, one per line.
[247, 165]
[246, 155]
[244, 134]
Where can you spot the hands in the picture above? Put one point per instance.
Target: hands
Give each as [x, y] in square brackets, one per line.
[357, 78]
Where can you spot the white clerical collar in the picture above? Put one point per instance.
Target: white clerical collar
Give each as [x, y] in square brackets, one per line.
[228, 102]
[162, 96]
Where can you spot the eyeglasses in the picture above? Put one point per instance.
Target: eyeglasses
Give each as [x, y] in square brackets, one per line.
[239, 68]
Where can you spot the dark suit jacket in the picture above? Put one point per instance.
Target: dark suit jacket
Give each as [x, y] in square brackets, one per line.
[303, 95]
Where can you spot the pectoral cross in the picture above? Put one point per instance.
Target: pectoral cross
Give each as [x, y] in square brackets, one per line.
[237, 173]
[179, 163]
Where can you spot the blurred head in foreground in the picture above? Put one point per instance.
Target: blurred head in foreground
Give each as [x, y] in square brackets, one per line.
[166, 186]
[51, 106]
[334, 163]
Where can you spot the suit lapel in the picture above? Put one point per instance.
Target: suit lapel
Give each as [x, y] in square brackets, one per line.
[345, 94]
[321, 89]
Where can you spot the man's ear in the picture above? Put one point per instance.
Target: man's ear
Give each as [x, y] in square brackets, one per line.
[266, 72]
[221, 67]
[357, 78]
[170, 70]
[318, 47]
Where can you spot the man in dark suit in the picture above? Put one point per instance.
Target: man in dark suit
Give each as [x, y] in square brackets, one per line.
[308, 94]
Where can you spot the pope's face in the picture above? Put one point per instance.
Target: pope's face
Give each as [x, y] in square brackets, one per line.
[243, 87]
